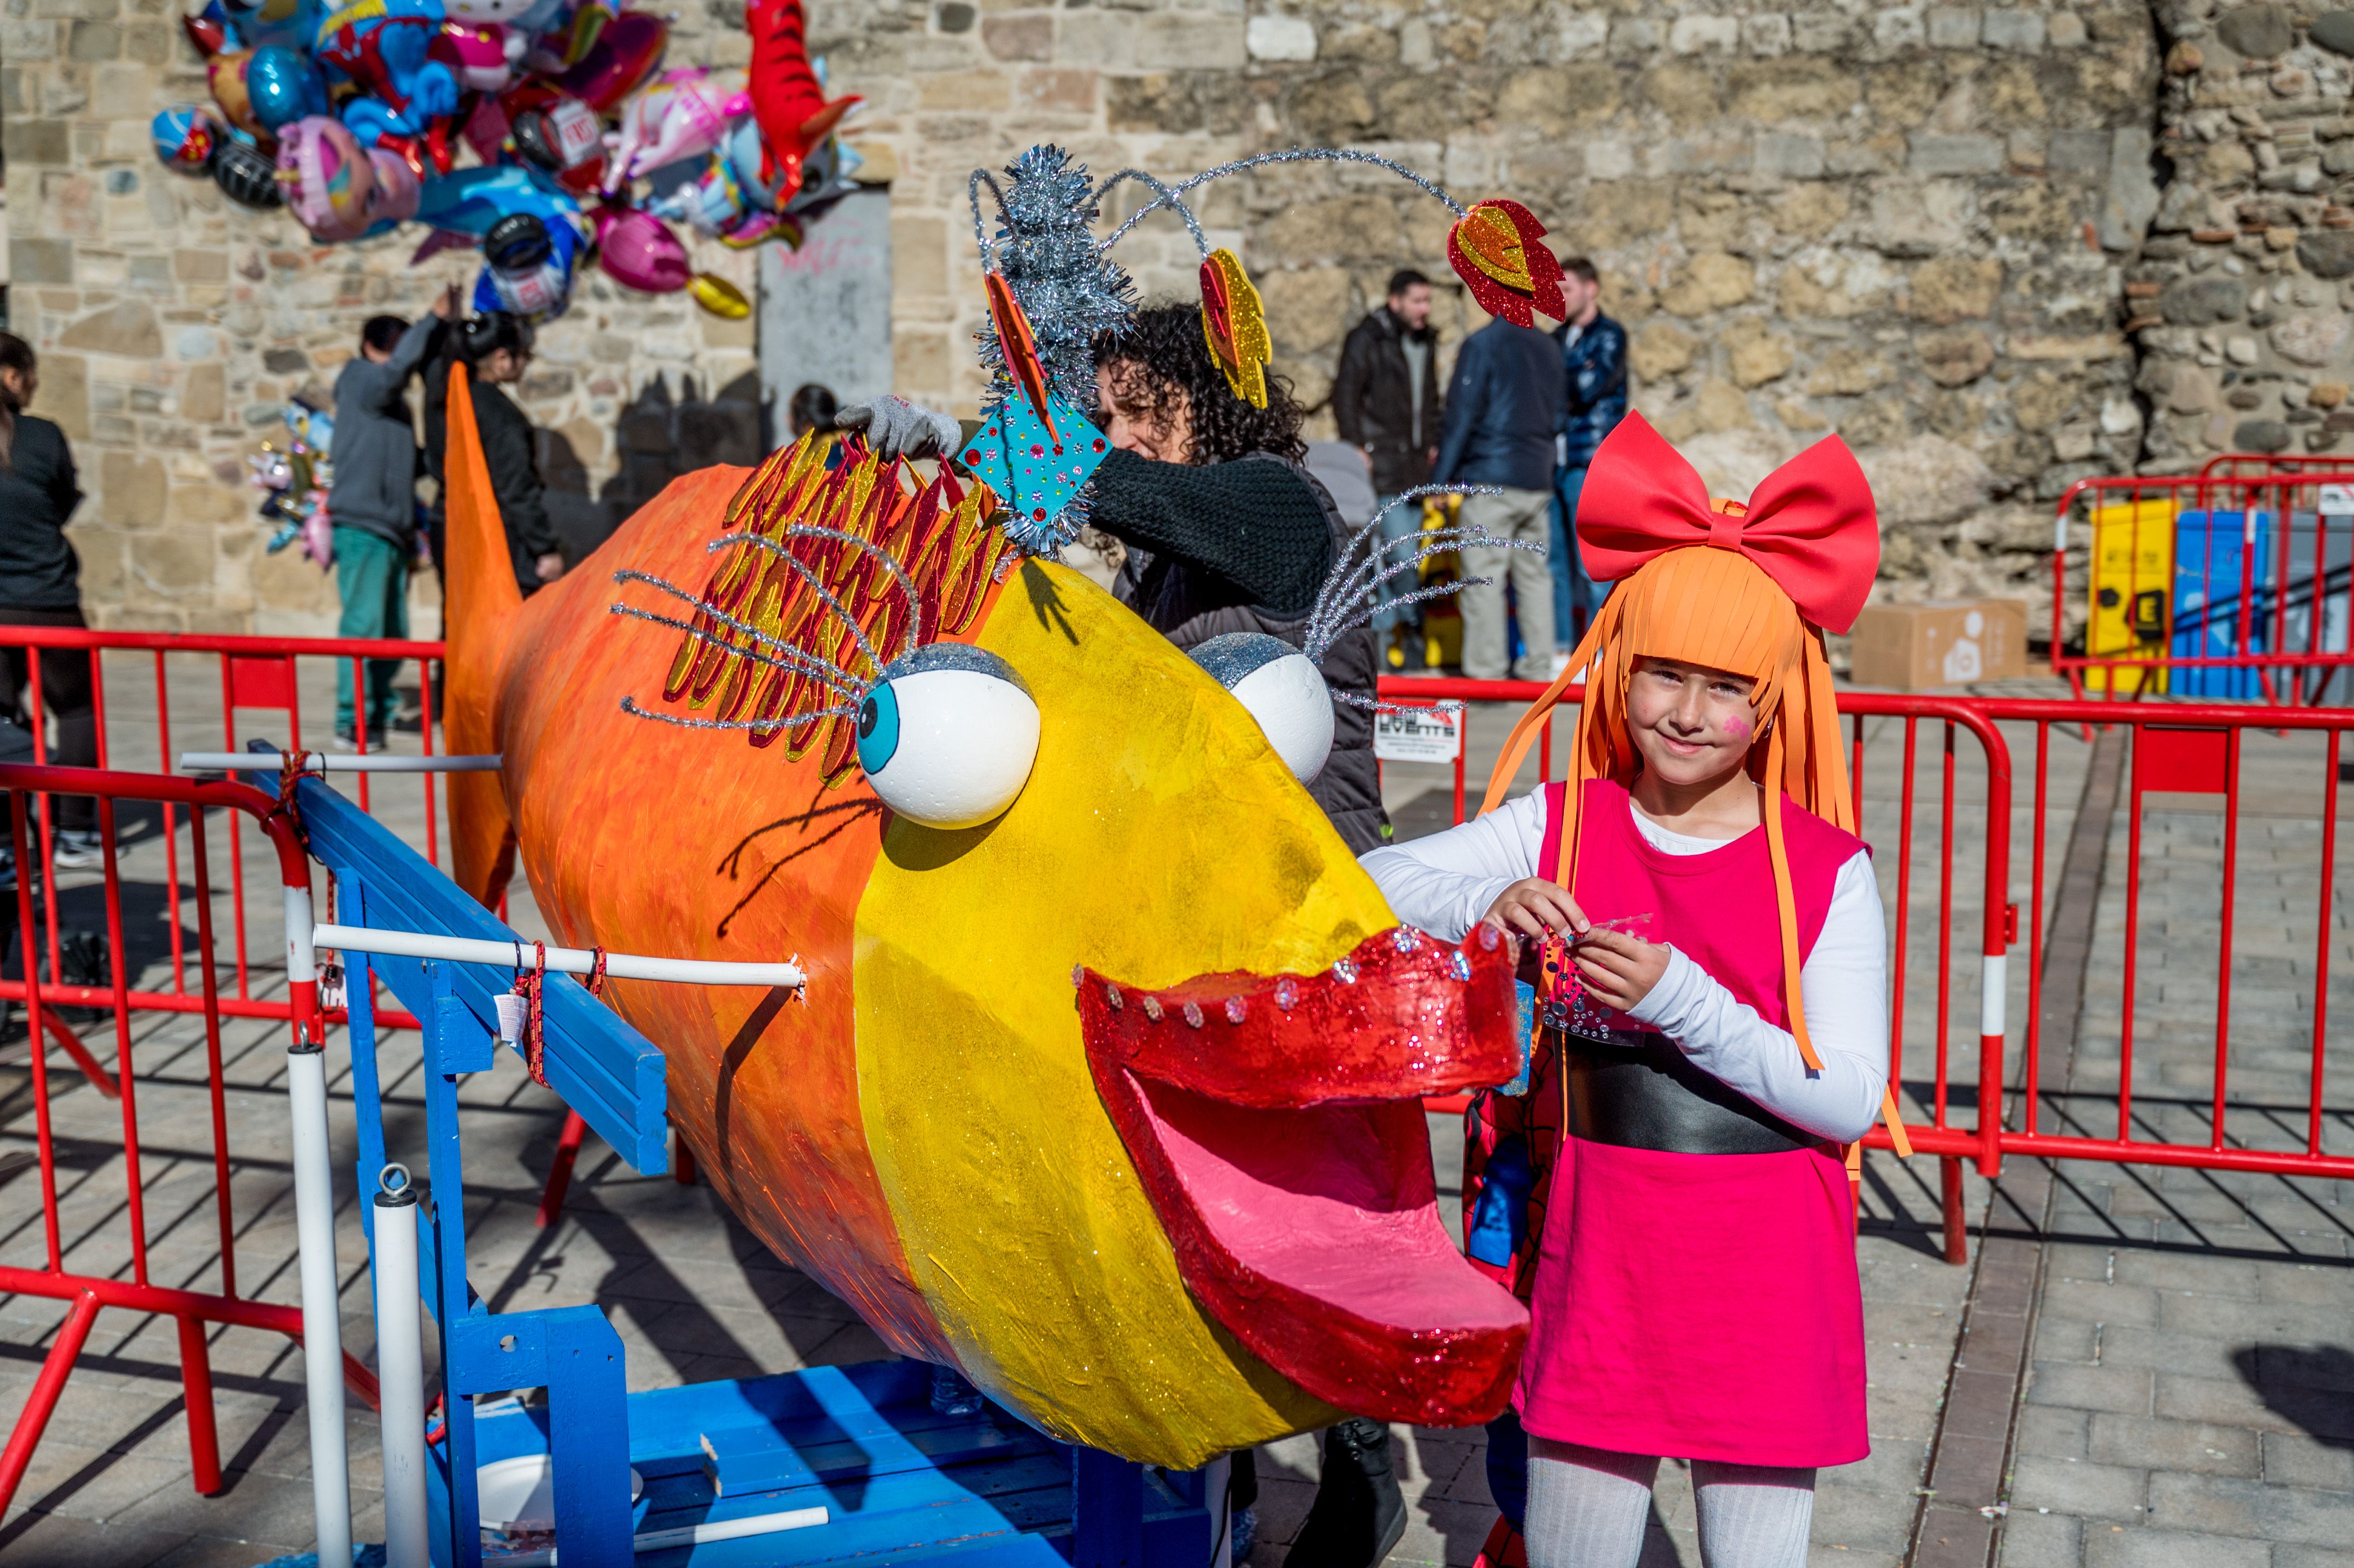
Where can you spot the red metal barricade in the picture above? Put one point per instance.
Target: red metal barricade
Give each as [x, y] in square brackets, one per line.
[1954, 718]
[2230, 583]
[255, 674]
[2179, 753]
[191, 1304]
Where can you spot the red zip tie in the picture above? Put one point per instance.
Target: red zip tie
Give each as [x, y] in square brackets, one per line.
[597, 974]
[528, 985]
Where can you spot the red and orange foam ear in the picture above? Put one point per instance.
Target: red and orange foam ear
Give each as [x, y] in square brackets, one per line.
[1494, 249]
[1019, 345]
[1235, 322]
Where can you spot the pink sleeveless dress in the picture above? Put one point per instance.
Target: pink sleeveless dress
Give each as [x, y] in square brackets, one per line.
[1699, 1306]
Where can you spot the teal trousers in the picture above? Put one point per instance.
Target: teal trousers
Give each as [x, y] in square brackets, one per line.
[372, 578]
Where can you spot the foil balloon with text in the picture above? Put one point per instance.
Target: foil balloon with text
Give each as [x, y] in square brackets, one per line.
[1106, 1083]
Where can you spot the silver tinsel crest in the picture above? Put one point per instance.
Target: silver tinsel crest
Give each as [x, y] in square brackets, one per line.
[1045, 247]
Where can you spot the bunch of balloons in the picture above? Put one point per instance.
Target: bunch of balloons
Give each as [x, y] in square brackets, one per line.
[295, 483]
[541, 131]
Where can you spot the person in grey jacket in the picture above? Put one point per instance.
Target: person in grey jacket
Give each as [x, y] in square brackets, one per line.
[373, 502]
[1505, 409]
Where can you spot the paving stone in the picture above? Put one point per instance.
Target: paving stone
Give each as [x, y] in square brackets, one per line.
[2294, 1459]
[2115, 1548]
[2125, 1390]
[2078, 1487]
[2052, 1432]
[2034, 1538]
[2228, 1507]
[2156, 1444]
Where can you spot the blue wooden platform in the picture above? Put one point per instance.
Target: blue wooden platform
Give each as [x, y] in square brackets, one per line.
[900, 1482]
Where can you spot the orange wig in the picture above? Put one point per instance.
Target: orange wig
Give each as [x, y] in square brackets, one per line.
[1729, 586]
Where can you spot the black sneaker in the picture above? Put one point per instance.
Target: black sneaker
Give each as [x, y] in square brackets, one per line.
[1359, 1515]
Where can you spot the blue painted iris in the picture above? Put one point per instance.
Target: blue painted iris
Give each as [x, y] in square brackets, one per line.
[878, 728]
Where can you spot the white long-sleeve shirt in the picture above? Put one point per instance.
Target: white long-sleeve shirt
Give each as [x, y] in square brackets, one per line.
[1444, 883]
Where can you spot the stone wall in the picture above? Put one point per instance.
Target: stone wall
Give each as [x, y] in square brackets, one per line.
[1995, 249]
[2239, 296]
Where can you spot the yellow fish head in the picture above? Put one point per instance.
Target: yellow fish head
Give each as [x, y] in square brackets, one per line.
[1139, 1062]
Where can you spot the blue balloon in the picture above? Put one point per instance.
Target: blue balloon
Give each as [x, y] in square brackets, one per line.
[185, 137]
[289, 24]
[284, 87]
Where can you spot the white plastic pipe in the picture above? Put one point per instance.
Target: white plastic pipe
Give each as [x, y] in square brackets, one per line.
[563, 960]
[326, 762]
[322, 1337]
[694, 1534]
[400, 1371]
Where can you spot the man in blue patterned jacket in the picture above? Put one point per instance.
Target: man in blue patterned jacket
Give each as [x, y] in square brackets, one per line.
[1594, 356]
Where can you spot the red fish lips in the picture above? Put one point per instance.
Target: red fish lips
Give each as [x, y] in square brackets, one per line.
[1278, 1125]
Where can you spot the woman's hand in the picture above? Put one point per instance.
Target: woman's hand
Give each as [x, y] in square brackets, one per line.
[896, 427]
[1620, 970]
[548, 567]
[1533, 906]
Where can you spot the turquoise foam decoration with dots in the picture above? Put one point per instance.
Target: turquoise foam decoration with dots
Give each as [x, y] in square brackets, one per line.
[1037, 473]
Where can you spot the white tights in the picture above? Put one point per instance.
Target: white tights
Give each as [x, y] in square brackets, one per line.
[1587, 1508]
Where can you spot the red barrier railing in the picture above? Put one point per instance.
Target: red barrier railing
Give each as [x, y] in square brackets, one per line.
[2226, 584]
[1939, 1135]
[58, 1279]
[255, 673]
[2174, 749]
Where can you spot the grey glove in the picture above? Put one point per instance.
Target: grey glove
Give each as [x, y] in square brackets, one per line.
[897, 429]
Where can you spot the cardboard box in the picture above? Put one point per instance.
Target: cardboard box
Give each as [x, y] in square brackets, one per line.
[1950, 643]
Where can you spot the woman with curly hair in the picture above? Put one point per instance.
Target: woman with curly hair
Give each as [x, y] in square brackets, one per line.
[1226, 530]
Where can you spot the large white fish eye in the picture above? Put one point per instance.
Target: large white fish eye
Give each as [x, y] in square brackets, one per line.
[947, 735]
[1282, 690]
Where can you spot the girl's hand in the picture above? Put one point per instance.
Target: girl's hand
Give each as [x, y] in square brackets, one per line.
[1618, 969]
[1532, 906]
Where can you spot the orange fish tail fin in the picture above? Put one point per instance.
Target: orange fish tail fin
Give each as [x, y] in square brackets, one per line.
[478, 620]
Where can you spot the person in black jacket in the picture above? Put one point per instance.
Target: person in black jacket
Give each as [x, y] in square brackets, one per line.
[1385, 401]
[496, 350]
[1505, 414]
[40, 584]
[1594, 359]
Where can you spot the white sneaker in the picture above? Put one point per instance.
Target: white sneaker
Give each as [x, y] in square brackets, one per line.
[1560, 663]
[79, 850]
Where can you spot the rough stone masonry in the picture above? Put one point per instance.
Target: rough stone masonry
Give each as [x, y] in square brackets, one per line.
[1995, 249]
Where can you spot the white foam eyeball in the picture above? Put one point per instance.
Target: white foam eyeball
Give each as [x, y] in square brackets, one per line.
[1282, 689]
[948, 736]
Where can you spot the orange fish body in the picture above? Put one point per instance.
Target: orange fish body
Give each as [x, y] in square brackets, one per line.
[1078, 1197]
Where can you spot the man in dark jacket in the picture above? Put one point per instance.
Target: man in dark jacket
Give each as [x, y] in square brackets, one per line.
[1505, 409]
[373, 504]
[1385, 401]
[1594, 356]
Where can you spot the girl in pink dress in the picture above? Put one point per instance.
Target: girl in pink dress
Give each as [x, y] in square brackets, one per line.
[1713, 1031]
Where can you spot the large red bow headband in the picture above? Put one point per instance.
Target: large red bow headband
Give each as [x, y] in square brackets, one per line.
[1811, 526]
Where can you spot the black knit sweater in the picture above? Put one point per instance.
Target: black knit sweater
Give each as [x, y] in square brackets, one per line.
[1255, 524]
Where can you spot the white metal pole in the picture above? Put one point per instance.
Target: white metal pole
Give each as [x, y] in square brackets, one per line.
[563, 960]
[400, 1371]
[323, 1338]
[327, 762]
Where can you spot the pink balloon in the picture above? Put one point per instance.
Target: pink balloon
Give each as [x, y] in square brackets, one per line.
[639, 250]
[625, 53]
[397, 188]
[328, 180]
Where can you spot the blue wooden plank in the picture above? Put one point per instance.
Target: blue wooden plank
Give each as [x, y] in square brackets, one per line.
[604, 1069]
